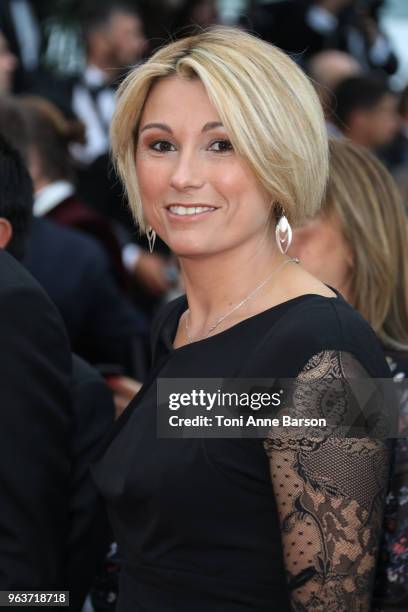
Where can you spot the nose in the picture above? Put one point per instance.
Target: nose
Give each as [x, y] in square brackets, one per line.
[187, 173]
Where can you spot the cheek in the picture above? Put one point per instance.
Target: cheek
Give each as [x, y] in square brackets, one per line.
[241, 191]
[229, 175]
[151, 190]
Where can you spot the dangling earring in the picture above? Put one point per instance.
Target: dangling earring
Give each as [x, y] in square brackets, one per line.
[151, 237]
[283, 233]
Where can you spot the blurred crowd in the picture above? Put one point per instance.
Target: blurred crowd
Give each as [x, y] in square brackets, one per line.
[69, 223]
[59, 123]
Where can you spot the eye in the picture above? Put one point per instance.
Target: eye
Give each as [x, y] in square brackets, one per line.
[221, 146]
[162, 146]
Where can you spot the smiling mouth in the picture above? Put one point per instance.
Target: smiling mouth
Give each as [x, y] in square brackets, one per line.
[189, 210]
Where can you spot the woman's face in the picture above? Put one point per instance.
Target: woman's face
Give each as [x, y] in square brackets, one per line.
[197, 193]
[324, 252]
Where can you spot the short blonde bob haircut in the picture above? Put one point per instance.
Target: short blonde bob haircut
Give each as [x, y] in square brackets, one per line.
[268, 106]
[364, 197]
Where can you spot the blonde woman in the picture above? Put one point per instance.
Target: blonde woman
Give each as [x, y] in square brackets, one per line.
[219, 139]
[358, 243]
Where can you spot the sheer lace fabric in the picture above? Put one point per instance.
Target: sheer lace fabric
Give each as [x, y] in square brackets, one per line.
[329, 491]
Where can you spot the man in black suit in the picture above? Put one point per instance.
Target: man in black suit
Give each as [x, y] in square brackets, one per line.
[35, 420]
[55, 411]
[114, 39]
[35, 378]
[306, 27]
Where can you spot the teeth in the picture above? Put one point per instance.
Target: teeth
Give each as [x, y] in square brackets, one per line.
[189, 210]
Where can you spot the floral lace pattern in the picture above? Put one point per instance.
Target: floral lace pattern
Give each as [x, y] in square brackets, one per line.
[330, 494]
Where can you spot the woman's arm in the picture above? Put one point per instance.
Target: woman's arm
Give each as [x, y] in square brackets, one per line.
[330, 494]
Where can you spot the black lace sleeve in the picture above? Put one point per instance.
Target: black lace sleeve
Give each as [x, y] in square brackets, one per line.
[330, 493]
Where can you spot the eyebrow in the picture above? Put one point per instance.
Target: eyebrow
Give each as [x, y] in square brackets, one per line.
[162, 126]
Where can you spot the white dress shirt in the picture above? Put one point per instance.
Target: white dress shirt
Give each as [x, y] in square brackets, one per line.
[50, 196]
[95, 114]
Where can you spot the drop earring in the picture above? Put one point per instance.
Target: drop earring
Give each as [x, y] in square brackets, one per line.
[151, 237]
[283, 233]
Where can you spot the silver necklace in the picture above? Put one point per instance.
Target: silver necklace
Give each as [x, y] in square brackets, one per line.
[241, 303]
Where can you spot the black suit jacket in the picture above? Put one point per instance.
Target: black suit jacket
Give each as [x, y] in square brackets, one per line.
[35, 434]
[55, 410]
[102, 324]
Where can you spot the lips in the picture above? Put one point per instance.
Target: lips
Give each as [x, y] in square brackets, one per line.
[189, 210]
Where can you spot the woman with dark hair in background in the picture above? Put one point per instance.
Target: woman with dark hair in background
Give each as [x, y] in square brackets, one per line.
[49, 136]
[358, 244]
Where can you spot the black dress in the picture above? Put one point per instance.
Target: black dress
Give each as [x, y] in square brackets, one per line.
[196, 520]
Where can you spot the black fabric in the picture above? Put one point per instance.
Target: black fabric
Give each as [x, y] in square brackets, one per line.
[35, 430]
[196, 519]
[74, 270]
[55, 410]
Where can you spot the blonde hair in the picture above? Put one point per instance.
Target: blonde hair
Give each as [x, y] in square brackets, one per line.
[366, 200]
[266, 103]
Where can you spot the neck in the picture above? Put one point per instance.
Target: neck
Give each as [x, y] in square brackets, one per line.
[102, 62]
[39, 183]
[216, 283]
[345, 288]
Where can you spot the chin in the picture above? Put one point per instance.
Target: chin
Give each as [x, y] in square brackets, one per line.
[189, 248]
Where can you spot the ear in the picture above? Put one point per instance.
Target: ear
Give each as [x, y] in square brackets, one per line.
[6, 232]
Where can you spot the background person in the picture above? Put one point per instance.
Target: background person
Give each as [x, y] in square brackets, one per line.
[328, 69]
[77, 272]
[8, 64]
[35, 381]
[20, 26]
[66, 414]
[102, 324]
[114, 40]
[55, 411]
[48, 135]
[308, 27]
[365, 110]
